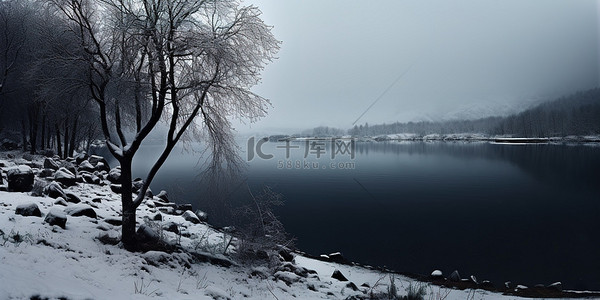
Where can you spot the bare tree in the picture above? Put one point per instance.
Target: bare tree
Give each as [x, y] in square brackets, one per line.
[189, 63]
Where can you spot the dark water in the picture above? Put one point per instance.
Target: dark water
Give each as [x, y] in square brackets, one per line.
[525, 213]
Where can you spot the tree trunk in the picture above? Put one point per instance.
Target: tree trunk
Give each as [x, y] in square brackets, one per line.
[128, 236]
[66, 139]
[43, 137]
[24, 134]
[73, 136]
[58, 147]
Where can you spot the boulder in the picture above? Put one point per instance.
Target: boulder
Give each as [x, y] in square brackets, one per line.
[20, 179]
[99, 163]
[171, 227]
[162, 195]
[556, 286]
[44, 173]
[28, 209]
[157, 217]
[72, 198]
[1, 178]
[146, 234]
[66, 177]
[339, 276]
[114, 221]
[54, 190]
[437, 275]
[91, 178]
[185, 207]
[337, 257]
[202, 215]
[114, 175]
[86, 166]
[455, 276]
[190, 217]
[69, 166]
[61, 201]
[116, 188]
[136, 185]
[79, 210]
[49, 163]
[56, 217]
[149, 193]
[81, 157]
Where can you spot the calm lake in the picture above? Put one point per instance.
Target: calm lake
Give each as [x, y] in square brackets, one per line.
[523, 213]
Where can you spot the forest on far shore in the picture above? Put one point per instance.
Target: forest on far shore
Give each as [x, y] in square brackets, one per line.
[577, 114]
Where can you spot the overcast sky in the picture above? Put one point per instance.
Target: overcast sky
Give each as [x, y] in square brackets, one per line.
[338, 56]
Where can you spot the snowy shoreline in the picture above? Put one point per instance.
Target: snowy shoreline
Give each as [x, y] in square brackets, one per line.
[81, 259]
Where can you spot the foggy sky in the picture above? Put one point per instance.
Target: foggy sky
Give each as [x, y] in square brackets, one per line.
[337, 56]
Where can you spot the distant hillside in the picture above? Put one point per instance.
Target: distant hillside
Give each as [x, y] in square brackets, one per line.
[578, 114]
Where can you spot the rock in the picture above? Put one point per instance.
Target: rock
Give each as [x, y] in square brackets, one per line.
[149, 193]
[473, 279]
[171, 227]
[79, 210]
[86, 166]
[437, 275]
[56, 217]
[99, 163]
[521, 287]
[20, 179]
[202, 215]
[338, 258]
[339, 276]
[27, 156]
[162, 204]
[1, 178]
[190, 217]
[97, 200]
[455, 276]
[66, 177]
[79, 158]
[137, 185]
[286, 255]
[146, 234]
[163, 196]
[114, 221]
[287, 277]
[46, 173]
[61, 201]
[28, 209]
[185, 207]
[116, 188]
[556, 286]
[486, 284]
[167, 210]
[72, 198]
[157, 217]
[91, 178]
[114, 175]
[49, 163]
[69, 166]
[352, 286]
[54, 190]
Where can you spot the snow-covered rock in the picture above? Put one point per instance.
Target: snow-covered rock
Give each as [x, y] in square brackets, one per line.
[454, 276]
[86, 166]
[162, 195]
[99, 163]
[20, 178]
[72, 198]
[437, 275]
[54, 190]
[49, 163]
[66, 177]
[190, 217]
[79, 210]
[337, 274]
[114, 175]
[56, 217]
[147, 234]
[28, 210]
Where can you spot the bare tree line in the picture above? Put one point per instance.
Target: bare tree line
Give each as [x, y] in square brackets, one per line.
[43, 96]
[577, 114]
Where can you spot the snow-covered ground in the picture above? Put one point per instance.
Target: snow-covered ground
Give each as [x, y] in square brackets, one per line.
[38, 259]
